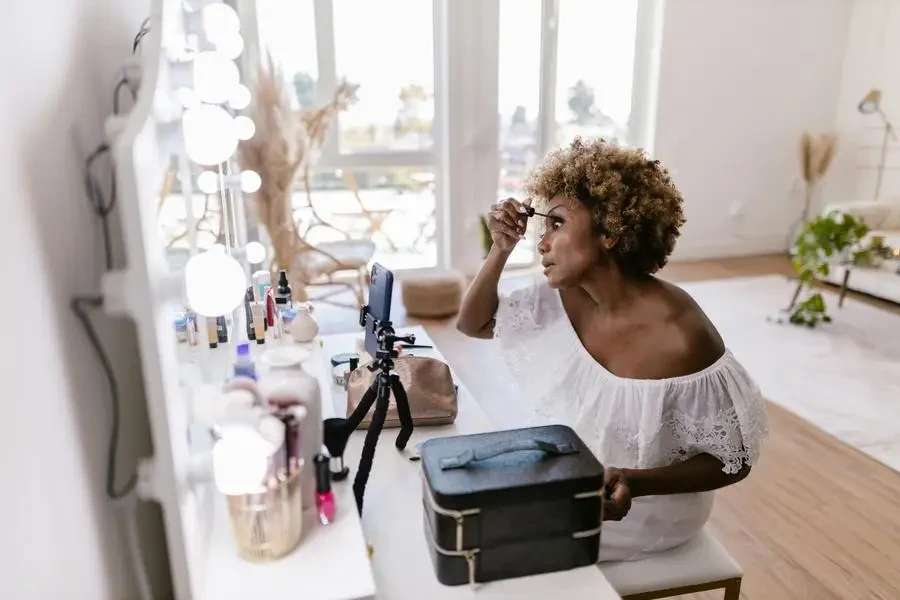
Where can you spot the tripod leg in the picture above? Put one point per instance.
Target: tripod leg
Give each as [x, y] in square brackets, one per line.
[368, 451]
[363, 407]
[406, 422]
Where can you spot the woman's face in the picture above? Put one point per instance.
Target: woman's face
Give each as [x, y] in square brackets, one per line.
[569, 247]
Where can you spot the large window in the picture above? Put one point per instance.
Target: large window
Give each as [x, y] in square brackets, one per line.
[553, 69]
[565, 69]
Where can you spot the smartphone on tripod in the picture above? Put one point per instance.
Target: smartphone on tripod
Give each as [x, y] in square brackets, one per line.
[378, 309]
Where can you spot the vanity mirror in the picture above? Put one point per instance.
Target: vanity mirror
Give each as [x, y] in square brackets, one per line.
[233, 406]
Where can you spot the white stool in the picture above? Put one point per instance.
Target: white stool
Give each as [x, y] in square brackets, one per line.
[701, 564]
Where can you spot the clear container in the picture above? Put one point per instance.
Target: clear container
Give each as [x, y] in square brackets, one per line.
[269, 525]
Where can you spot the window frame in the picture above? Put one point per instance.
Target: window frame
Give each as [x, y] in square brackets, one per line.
[465, 154]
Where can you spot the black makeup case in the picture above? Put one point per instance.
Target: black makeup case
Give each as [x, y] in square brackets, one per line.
[510, 503]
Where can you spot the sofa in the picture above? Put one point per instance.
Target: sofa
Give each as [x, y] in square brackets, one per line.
[883, 219]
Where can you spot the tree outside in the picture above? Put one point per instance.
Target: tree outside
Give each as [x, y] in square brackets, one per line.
[519, 117]
[305, 89]
[581, 102]
[411, 116]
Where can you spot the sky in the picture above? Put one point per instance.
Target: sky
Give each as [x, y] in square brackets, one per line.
[382, 51]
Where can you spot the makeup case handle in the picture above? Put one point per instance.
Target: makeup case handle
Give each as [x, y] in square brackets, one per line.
[465, 458]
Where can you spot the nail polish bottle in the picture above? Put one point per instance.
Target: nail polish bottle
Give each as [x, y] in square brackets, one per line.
[324, 495]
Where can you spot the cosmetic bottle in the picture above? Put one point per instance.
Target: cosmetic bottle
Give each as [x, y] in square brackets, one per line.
[292, 417]
[282, 301]
[222, 329]
[324, 496]
[261, 279]
[243, 364]
[248, 314]
[258, 315]
[192, 328]
[212, 334]
[283, 292]
[271, 319]
[181, 327]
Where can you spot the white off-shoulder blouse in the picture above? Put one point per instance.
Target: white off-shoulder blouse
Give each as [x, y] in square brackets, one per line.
[631, 423]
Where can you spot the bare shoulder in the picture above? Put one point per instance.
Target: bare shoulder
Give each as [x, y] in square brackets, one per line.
[692, 342]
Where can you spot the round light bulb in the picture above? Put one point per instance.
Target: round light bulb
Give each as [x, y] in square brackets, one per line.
[240, 460]
[215, 77]
[250, 181]
[215, 283]
[231, 46]
[208, 182]
[187, 97]
[240, 97]
[209, 134]
[244, 127]
[219, 22]
[256, 253]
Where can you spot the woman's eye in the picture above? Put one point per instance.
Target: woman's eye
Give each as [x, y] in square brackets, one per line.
[555, 224]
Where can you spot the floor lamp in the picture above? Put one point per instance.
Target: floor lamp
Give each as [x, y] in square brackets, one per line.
[871, 103]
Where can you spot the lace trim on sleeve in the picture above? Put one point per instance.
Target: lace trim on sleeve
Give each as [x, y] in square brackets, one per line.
[733, 438]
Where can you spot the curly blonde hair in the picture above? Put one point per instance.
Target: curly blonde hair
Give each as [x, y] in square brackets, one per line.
[630, 197]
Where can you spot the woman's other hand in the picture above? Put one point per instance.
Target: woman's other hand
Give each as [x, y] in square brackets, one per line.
[507, 222]
[617, 495]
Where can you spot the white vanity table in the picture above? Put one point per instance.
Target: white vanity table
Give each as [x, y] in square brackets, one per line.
[332, 563]
[392, 515]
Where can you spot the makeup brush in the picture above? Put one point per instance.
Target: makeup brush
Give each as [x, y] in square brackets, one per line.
[336, 432]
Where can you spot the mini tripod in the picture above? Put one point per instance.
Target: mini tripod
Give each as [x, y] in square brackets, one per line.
[379, 393]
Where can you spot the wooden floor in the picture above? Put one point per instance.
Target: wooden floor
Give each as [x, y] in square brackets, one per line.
[815, 520]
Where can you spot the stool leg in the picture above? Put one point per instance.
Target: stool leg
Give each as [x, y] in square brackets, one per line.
[733, 589]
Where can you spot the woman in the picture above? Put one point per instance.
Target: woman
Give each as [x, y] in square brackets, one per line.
[629, 361]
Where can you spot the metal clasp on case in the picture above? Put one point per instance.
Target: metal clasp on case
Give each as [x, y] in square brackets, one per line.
[459, 516]
[596, 530]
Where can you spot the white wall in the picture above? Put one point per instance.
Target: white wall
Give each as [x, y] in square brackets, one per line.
[740, 80]
[61, 537]
[872, 61]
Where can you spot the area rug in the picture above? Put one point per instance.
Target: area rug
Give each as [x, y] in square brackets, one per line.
[843, 377]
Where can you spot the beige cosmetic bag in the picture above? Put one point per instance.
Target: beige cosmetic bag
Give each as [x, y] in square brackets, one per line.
[428, 384]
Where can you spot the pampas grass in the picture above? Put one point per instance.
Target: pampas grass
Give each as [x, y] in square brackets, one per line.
[282, 144]
[276, 151]
[816, 155]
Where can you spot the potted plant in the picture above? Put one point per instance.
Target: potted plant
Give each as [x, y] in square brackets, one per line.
[825, 241]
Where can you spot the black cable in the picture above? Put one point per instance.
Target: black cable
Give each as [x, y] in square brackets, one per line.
[77, 306]
[101, 207]
[122, 82]
[144, 30]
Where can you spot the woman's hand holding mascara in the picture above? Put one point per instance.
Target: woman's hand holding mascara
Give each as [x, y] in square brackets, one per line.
[507, 222]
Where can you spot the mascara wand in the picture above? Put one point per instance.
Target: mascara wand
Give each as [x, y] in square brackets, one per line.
[531, 212]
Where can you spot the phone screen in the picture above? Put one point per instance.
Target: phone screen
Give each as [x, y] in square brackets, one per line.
[381, 287]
